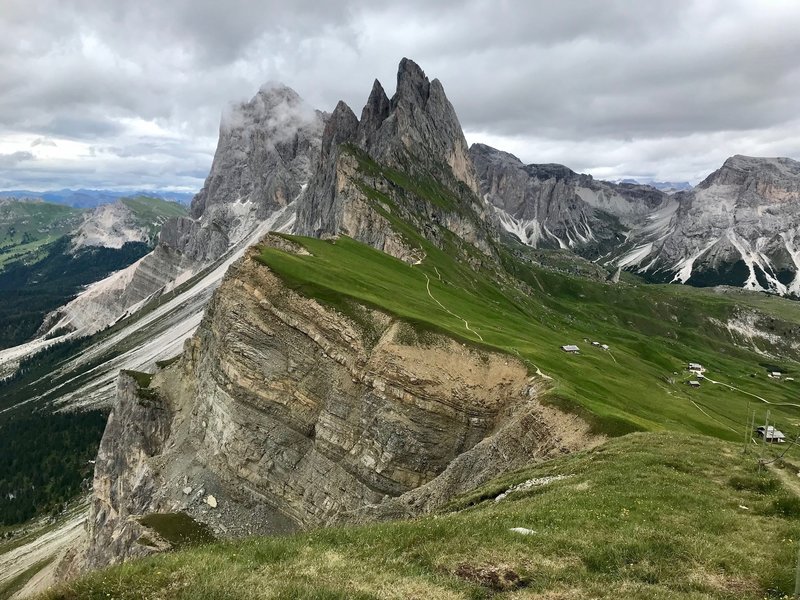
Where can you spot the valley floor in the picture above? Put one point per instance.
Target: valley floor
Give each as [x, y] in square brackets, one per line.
[648, 515]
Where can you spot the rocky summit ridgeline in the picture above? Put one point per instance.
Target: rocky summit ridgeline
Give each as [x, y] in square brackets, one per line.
[416, 133]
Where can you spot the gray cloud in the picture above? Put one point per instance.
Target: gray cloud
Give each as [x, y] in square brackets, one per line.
[14, 158]
[43, 141]
[648, 89]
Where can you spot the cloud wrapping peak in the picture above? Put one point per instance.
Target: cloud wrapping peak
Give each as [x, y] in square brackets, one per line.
[135, 90]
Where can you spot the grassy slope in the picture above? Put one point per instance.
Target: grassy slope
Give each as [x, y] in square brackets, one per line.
[653, 332]
[154, 209]
[644, 516]
[25, 227]
[151, 213]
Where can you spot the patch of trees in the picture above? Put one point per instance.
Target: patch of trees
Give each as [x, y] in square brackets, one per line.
[29, 292]
[46, 460]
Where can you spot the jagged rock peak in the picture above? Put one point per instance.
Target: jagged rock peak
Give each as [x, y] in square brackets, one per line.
[412, 83]
[374, 113]
[419, 120]
[264, 104]
[274, 133]
[417, 133]
[342, 127]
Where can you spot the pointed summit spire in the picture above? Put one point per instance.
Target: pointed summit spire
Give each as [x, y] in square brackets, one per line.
[341, 127]
[375, 112]
[412, 84]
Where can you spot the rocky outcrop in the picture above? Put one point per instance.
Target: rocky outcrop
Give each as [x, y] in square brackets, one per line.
[420, 123]
[124, 486]
[110, 226]
[280, 401]
[264, 157]
[740, 226]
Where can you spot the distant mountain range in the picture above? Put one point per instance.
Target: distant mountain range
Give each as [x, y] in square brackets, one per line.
[83, 198]
[738, 227]
[664, 186]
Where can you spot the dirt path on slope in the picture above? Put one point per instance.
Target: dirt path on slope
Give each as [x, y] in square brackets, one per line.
[447, 310]
[788, 479]
[764, 400]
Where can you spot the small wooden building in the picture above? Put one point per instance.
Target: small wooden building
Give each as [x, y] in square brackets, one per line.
[771, 435]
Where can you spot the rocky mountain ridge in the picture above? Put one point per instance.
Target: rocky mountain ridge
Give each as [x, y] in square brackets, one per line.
[738, 227]
[127, 220]
[364, 163]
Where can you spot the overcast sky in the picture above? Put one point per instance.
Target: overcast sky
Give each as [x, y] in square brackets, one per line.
[100, 93]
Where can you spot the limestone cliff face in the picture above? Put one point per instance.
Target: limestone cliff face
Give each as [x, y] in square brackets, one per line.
[264, 157]
[282, 402]
[740, 226]
[418, 121]
[551, 206]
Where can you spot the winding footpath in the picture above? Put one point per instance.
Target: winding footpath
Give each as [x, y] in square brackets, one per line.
[764, 400]
[447, 310]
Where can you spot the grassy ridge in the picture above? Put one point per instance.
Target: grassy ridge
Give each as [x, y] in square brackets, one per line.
[645, 516]
[653, 331]
[151, 213]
